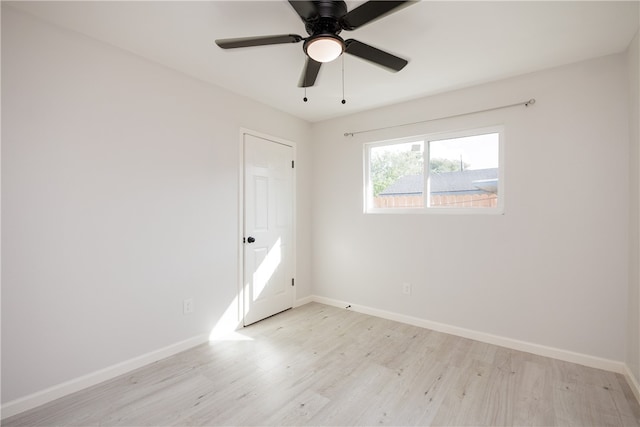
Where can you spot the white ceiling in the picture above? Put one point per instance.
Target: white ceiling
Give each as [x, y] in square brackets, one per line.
[449, 44]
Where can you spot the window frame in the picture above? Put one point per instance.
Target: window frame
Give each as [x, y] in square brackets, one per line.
[426, 140]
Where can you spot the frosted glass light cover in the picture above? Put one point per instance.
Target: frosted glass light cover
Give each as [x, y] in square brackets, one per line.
[324, 49]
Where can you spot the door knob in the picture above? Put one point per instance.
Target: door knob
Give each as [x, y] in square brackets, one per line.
[251, 239]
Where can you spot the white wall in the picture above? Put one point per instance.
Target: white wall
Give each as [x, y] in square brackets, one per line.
[120, 199]
[633, 332]
[551, 271]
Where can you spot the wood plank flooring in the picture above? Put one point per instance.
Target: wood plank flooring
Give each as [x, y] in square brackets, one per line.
[320, 365]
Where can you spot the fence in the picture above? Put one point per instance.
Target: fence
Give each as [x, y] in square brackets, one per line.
[437, 200]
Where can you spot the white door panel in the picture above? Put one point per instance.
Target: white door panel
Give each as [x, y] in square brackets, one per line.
[268, 203]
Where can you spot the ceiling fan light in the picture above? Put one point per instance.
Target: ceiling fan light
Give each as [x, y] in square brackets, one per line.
[324, 49]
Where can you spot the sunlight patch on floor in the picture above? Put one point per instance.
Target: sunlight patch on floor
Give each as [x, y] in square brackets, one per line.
[227, 328]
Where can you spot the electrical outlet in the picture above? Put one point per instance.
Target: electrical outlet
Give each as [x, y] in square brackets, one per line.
[406, 288]
[187, 306]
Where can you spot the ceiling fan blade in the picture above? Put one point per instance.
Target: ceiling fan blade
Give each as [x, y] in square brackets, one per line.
[370, 11]
[310, 72]
[258, 41]
[377, 56]
[305, 9]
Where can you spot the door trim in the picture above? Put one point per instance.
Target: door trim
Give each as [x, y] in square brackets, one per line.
[240, 282]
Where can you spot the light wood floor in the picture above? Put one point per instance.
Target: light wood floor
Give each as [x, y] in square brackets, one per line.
[319, 365]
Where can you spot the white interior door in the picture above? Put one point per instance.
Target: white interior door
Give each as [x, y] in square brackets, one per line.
[268, 228]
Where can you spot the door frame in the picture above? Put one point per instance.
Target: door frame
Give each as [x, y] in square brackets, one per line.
[241, 216]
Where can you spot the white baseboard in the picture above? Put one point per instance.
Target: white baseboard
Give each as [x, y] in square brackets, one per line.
[303, 301]
[633, 382]
[31, 401]
[541, 350]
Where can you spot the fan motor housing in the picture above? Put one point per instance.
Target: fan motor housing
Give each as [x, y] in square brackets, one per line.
[335, 9]
[328, 18]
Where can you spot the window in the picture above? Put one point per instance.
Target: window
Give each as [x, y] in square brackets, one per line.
[457, 173]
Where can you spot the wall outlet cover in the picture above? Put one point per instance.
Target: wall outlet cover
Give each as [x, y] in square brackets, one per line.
[188, 306]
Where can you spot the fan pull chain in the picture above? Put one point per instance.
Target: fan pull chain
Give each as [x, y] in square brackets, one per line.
[343, 100]
[305, 95]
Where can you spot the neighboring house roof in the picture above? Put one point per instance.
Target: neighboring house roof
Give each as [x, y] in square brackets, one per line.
[473, 181]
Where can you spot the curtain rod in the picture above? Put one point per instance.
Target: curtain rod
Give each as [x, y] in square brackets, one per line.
[525, 103]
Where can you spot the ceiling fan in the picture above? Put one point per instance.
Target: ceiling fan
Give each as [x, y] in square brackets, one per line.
[324, 20]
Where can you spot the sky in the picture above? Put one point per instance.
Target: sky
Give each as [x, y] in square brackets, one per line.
[477, 151]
